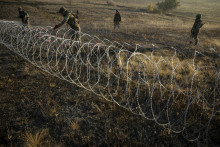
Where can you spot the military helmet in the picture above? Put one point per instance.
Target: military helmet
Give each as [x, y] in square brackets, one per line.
[198, 16]
[19, 8]
[62, 9]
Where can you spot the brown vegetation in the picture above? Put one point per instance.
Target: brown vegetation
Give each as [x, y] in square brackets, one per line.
[110, 3]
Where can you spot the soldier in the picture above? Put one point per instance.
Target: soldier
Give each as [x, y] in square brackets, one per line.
[71, 20]
[195, 29]
[24, 17]
[117, 19]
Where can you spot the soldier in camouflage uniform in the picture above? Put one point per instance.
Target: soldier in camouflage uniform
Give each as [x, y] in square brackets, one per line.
[24, 17]
[195, 29]
[72, 21]
[117, 19]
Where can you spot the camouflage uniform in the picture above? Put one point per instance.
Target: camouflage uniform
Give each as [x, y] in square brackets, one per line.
[77, 14]
[117, 19]
[24, 17]
[72, 21]
[195, 29]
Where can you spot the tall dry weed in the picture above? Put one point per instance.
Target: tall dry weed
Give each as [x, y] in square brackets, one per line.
[37, 139]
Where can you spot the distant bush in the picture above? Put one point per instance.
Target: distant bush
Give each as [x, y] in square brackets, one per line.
[167, 5]
[110, 3]
[150, 7]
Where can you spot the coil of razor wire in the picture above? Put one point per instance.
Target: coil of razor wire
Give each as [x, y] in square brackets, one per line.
[179, 94]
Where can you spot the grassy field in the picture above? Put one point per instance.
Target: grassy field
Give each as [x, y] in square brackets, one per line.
[38, 109]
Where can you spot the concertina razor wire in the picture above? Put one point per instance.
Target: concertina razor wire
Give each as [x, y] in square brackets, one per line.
[178, 93]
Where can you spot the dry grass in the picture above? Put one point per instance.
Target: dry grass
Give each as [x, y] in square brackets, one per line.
[75, 125]
[35, 140]
[40, 138]
[111, 3]
[215, 42]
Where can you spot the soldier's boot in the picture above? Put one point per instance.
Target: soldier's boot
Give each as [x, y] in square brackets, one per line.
[196, 41]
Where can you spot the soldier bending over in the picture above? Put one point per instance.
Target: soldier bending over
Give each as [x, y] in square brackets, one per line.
[72, 21]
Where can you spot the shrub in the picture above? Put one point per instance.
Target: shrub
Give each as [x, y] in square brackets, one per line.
[110, 3]
[167, 5]
[150, 7]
